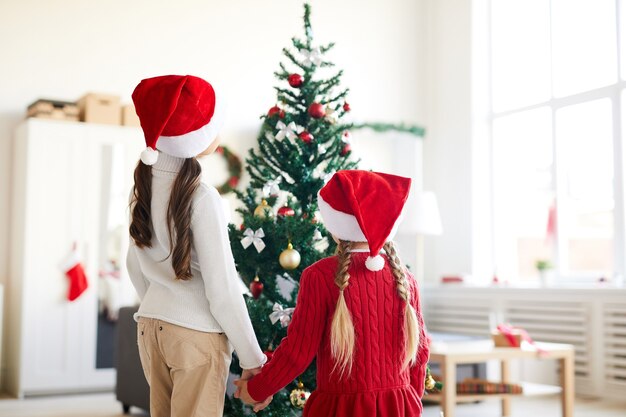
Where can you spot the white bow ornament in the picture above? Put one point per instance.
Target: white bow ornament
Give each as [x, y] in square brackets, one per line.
[312, 57]
[271, 187]
[288, 131]
[282, 315]
[253, 238]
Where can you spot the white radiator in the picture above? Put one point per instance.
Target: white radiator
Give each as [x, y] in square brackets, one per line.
[615, 347]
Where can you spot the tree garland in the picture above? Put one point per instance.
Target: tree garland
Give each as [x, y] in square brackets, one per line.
[234, 170]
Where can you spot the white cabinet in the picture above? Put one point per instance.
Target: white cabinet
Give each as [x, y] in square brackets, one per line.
[60, 172]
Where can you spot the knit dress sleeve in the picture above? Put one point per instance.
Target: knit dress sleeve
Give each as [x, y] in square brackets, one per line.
[140, 283]
[418, 371]
[221, 281]
[304, 335]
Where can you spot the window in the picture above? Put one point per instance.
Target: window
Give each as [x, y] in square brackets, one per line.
[558, 74]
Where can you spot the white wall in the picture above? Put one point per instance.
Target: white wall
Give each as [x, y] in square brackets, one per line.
[64, 48]
[448, 147]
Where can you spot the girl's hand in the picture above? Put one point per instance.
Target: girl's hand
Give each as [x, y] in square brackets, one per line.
[249, 373]
[242, 392]
[243, 395]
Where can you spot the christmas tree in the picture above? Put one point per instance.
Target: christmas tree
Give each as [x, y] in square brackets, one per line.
[302, 142]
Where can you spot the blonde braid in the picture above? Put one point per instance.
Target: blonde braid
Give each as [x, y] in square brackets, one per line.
[342, 328]
[411, 325]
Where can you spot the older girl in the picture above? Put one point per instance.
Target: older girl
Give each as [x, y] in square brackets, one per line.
[192, 310]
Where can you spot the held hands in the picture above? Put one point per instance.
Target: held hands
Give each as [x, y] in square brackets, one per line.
[242, 390]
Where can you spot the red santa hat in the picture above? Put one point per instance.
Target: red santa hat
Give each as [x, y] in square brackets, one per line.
[363, 206]
[180, 115]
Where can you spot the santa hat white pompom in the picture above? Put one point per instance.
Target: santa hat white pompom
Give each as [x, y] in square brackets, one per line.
[375, 263]
[149, 156]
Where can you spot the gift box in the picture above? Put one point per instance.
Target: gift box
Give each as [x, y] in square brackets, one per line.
[53, 109]
[100, 108]
[129, 116]
[512, 338]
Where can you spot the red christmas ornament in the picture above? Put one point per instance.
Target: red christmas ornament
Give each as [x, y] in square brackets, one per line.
[295, 80]
[276, 110]
[316, 111]
[243, 226]
[306, 136]
[233, 181]
[256, 288]
[346, 106]
[346, 149]
[286, 211]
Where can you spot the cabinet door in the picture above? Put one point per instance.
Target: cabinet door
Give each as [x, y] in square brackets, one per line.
[52, 340]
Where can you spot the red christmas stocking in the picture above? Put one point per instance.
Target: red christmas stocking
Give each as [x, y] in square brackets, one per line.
[78, 281]
[76, 275]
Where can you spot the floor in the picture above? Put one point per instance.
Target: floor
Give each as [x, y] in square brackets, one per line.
[104, 405]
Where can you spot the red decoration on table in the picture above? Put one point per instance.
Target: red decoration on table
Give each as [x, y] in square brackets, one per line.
[276, 110]
[286, 211]
[256, 288]
[448, 279]
[316, 111]
[295, 80]
[509, 332]
[306, 136]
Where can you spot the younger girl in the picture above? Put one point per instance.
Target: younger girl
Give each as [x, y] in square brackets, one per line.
[358, 312]
[179, 259]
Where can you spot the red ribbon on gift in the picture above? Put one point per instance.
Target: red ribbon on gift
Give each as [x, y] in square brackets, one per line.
[508, 332]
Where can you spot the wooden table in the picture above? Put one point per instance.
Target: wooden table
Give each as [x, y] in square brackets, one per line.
[449, 356]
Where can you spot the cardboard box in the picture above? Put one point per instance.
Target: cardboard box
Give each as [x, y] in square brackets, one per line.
[129, 116]
[53, 109]
[499, 340]
[100, 108]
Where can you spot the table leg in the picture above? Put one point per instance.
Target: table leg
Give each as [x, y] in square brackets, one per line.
[505, 377]
[567, 385]
[448, 394]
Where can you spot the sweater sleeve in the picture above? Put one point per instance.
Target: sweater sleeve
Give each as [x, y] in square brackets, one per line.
[134, 271]
[418, 371]
[304, 335]
[221, 281]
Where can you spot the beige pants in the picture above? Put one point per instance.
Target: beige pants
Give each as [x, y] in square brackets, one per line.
[186, 369]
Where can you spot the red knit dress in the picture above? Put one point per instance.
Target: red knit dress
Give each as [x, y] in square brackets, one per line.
[377, 385]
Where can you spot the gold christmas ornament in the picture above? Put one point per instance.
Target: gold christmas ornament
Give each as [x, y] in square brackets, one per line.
[429, 383]
[289, 258]
[299, 396]
[263, 211]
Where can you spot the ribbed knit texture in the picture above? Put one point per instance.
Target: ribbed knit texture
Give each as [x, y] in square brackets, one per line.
[377, 385]
[212, 300]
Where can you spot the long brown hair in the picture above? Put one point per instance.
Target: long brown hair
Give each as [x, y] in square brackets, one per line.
[178, 213]
[342, 327]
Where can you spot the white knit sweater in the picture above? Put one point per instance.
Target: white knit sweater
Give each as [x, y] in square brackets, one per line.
[212, 300]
